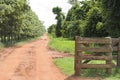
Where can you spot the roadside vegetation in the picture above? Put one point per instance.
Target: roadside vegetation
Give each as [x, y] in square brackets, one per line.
[62, 45]
[18, 43]
[1, 45]
[24, 41]
[18, 22]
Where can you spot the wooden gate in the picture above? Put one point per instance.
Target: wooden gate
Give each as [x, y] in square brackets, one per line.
[116, 48]
[104, 46]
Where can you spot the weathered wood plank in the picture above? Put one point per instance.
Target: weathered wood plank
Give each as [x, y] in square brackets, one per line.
[114, 57]
[96, 66]
[94, 40]
[118, 56]
[115, 48]
[97, 49]
[77, 60]
[84, 57]
[115, 40]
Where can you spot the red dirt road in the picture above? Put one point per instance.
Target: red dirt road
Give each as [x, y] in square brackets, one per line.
[31, 61]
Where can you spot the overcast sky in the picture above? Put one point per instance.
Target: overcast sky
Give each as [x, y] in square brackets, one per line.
[43, 8]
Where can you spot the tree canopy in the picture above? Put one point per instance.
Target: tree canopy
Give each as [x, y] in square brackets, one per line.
[18, 21]
[91, 18]
[60, 17]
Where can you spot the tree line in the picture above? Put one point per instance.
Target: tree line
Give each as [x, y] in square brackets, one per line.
[88, 18]
[18, 21]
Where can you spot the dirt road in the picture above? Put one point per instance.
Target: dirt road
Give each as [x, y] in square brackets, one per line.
[31, 61]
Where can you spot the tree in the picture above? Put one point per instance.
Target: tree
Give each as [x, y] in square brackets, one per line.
[60, 17]
[111, 10]
[94, 25]
[17, 21]
[73, 2]
[51, 29]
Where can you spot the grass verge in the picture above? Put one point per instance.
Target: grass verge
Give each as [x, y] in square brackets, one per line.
[1, 45]
[66, 65]
[62, 45]
[22, 42]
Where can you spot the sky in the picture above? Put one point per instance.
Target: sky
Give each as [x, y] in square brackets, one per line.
[43, 9]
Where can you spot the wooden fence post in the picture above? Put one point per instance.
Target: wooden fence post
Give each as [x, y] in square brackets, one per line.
[109, 62]
[118, 57]
[77, 60]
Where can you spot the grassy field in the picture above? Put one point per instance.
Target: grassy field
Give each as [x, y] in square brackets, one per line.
[62, 45]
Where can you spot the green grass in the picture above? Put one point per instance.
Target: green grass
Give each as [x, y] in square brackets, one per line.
[66, 65]
[22, 42]
[1, 45]
[62, 45]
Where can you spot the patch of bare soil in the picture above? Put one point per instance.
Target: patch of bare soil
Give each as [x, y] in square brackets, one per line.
[32, 61]
[55, 54]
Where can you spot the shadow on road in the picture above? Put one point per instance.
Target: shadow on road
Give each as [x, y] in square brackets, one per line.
[73, 77]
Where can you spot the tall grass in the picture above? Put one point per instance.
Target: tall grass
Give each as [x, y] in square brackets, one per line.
[62, 45]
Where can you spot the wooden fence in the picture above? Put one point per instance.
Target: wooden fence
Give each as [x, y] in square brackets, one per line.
[101, 52]
[116, 48]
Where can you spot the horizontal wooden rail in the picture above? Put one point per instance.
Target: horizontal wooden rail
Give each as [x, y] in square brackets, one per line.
[115, 40]
[100, 49]
[114, 57]
[94, 40]
[95, 65]
[115, 48]
[84, 57]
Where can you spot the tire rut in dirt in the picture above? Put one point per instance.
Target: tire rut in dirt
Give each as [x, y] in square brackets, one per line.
[6, 52]
[56, 54]
[27, 67]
